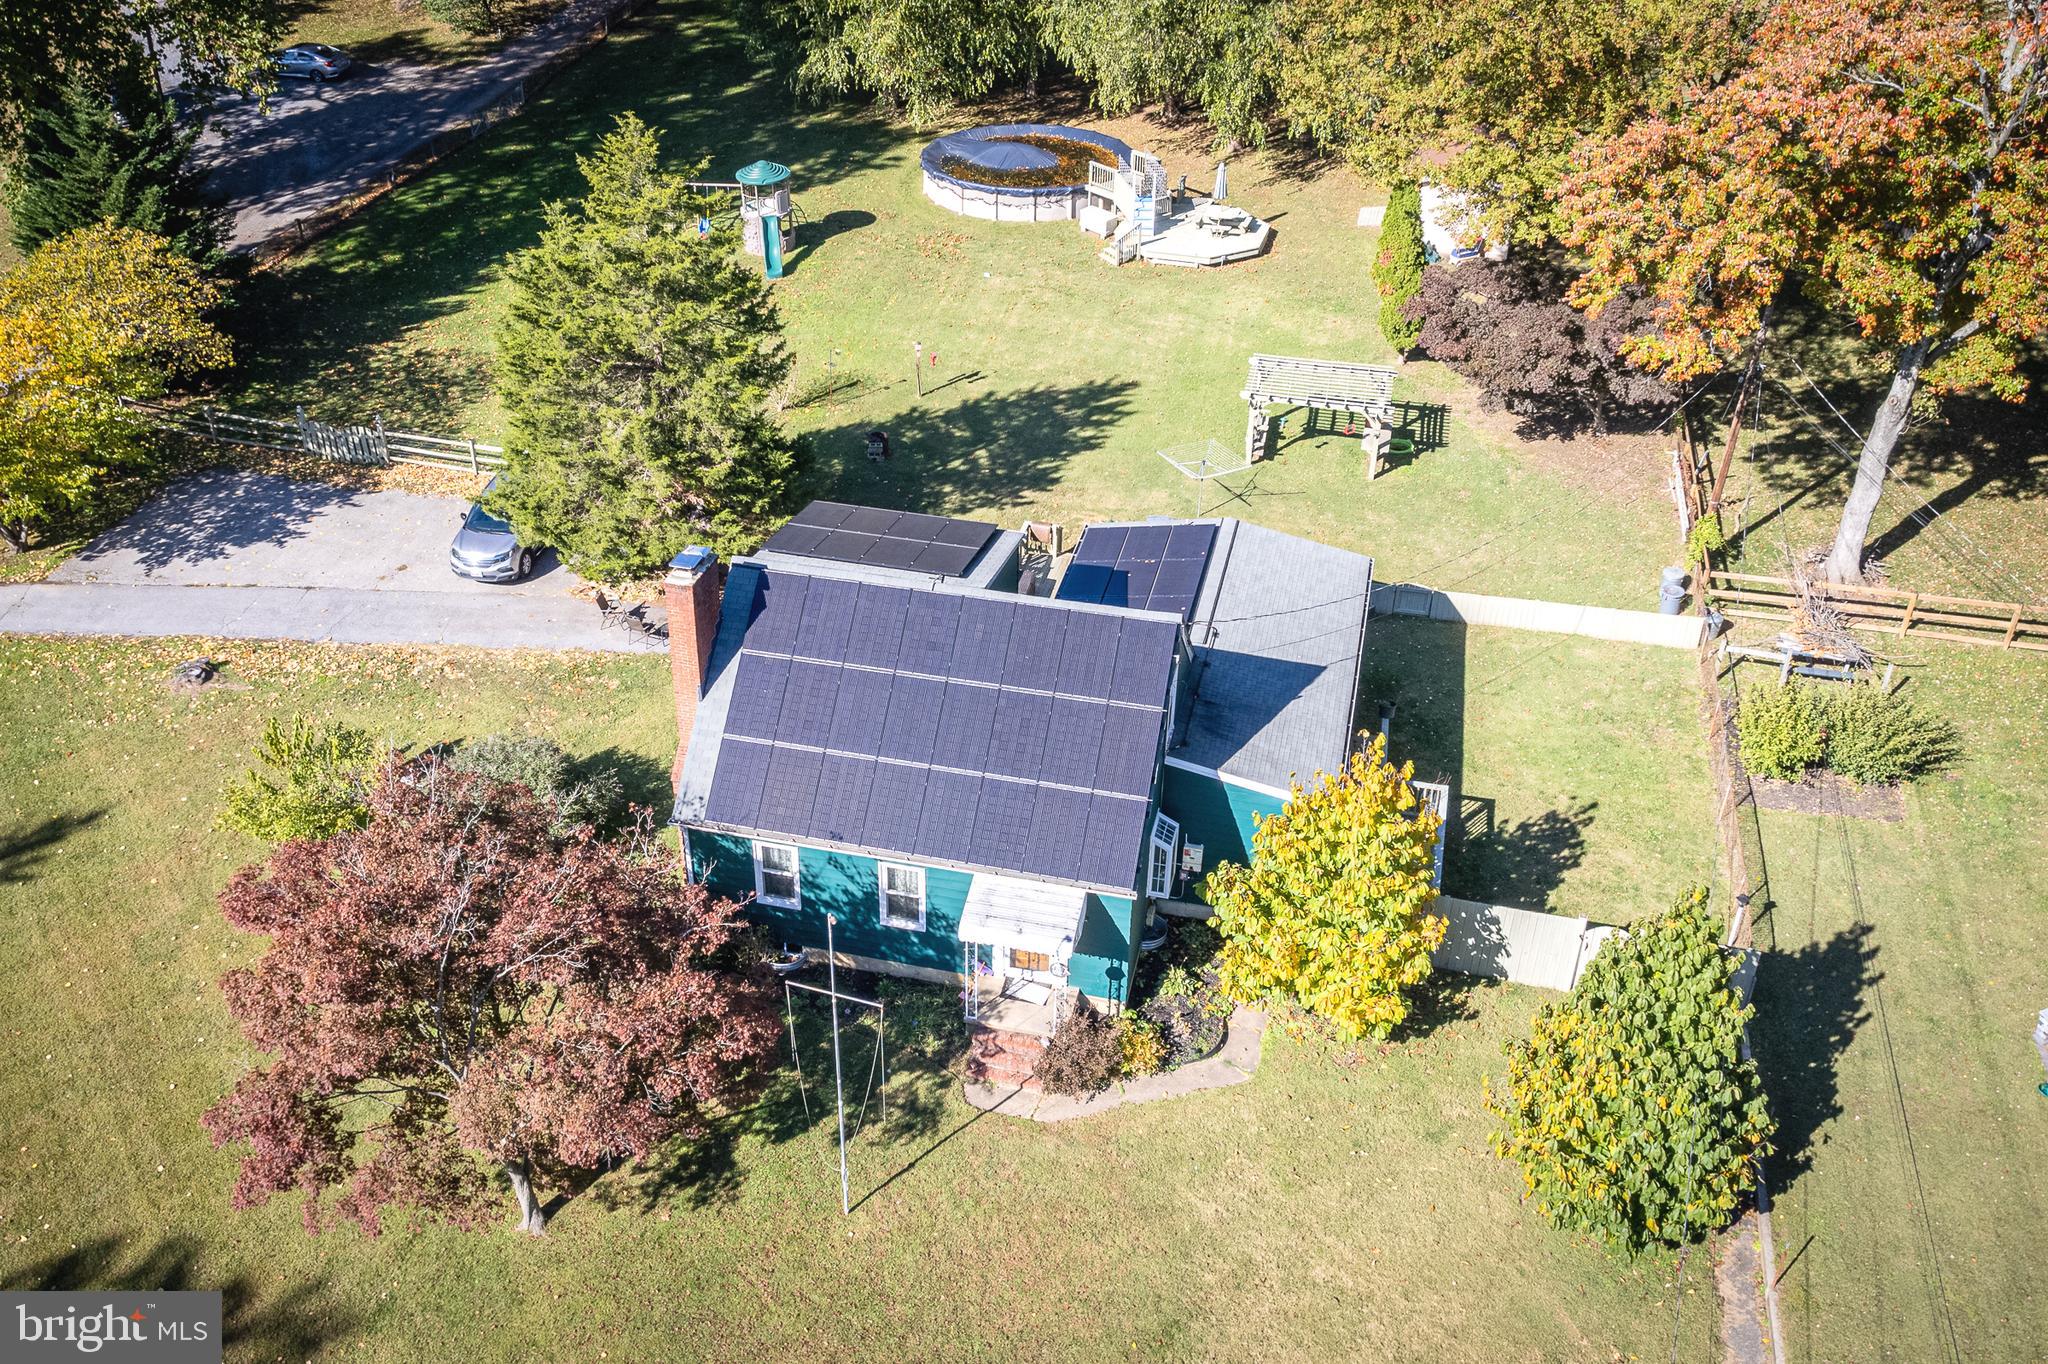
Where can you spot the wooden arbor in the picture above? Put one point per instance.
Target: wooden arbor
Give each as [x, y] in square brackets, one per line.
[1363, 391]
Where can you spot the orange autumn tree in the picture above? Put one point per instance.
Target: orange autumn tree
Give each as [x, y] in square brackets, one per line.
[1333, 912]
[1888, 156]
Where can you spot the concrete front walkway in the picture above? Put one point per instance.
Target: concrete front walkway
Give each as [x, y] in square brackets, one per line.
[1232, 1064]
[328, 614]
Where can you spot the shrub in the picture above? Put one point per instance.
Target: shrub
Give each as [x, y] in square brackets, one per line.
[1189, 1026]
[1630, 1109]
[544, 769]
[1177, 983]
[1876, 737]
[1084, 1055]
[924, 1020]
[1781, 731]
[1863, 733]
[1506, 326]
[1397, 272]
[316, 785]
[1706, 538]
[1142, 1044]
[1333, 912]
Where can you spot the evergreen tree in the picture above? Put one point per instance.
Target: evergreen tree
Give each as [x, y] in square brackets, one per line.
[1397, 273]
[635, 368]
[103, 148]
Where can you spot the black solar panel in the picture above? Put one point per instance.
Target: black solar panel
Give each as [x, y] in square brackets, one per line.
[1116, 828]
[964, 725]
[886, 539]
[1153, 568]
[950, 726]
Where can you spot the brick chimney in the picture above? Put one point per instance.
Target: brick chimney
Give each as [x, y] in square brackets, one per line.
[695, 582]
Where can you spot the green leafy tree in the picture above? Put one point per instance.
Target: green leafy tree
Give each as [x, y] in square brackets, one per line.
[1397, 272]
[1333, 912]
[920, 56]
[1630, 1110]
[109, 147]
[314, 782]
[545, 771]
[1890, 157]
[1488, 101]
[635, 367]
[94, 316]
[219, 44]
[1208, 55]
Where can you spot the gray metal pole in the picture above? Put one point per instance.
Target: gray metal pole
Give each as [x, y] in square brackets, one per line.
[838, 1081]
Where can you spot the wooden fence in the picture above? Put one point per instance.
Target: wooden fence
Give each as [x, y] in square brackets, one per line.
[1886, 610]
[372, 444]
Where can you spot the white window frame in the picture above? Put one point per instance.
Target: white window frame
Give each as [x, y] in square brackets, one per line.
[1162, 855]
[795, 874]
[882, 870]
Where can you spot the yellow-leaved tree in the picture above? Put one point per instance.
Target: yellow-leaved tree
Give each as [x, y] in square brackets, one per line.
[1333, 912]
[93, 316]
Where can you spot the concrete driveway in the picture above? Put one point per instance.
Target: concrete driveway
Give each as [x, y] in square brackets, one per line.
[234, 528]
[258, 556]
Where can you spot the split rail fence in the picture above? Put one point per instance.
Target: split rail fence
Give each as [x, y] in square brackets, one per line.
[371, 445]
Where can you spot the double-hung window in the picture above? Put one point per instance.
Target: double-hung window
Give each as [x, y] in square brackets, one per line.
[777, 880]
[903, 897]
[1159, 862]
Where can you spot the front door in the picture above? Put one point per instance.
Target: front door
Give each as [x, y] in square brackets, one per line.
[1033, 971]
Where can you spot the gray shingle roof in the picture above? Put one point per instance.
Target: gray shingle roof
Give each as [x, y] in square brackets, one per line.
[1278, 632]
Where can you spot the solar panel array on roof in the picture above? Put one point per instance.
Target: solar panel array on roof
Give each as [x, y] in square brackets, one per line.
[1154, 568]
[882, 539]
[983, 730]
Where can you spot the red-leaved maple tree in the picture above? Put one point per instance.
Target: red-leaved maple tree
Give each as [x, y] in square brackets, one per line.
[1889, 155]
[457, 996]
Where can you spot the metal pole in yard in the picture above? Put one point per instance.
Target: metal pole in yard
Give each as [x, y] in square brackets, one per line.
[838, 1080]
[383, 445]
[917, 365]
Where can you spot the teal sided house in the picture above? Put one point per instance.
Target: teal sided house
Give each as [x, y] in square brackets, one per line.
[884, 723]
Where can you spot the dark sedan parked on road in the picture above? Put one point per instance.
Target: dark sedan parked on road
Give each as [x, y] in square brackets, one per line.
[487, 550]
[314, 61]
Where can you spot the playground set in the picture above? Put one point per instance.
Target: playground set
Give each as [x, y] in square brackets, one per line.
[768, 216]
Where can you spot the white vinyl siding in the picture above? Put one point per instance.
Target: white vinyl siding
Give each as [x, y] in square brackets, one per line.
[902, 896]
[777, 879]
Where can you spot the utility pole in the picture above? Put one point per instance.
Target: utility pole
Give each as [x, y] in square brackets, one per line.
[1752, 380]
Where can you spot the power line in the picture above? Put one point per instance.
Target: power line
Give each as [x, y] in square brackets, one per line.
[1944, 1320]
[1892, 483]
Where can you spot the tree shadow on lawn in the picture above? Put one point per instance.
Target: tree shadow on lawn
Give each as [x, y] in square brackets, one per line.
[1810, 1005]
[310, 331]
[987, 450]
[1984, 444]
[797, 1104]
[292, 1322]
[24, 849]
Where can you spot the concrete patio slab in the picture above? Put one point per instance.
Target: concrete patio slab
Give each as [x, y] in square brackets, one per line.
[1233, 1064]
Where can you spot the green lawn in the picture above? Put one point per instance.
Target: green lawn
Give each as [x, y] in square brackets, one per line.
[1578, 766]
[1893, 1016]
[1341, 1205]
[1058, 377]
[379, 31]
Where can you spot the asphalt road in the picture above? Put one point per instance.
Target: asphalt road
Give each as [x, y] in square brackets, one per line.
[310, 145]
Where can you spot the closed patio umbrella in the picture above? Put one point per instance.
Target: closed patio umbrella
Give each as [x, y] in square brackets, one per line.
[1222, 182]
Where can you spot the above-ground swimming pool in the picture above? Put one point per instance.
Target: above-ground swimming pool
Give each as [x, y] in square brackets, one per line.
[967, 172]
